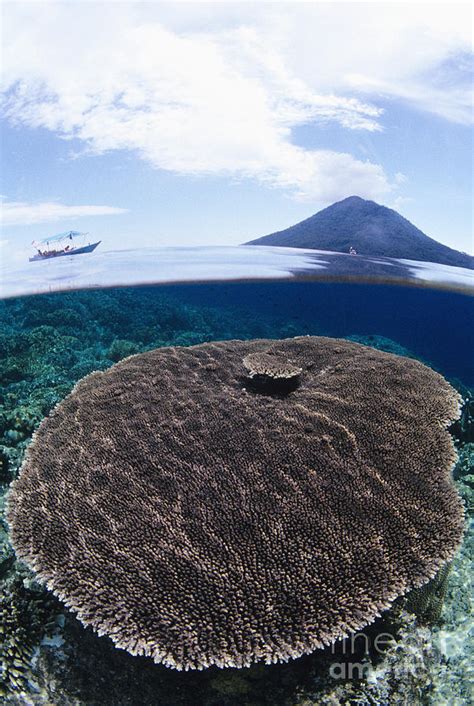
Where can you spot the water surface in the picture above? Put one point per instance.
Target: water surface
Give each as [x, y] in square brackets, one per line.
[105, 268]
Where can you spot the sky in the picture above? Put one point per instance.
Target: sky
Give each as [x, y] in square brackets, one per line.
[172, 124]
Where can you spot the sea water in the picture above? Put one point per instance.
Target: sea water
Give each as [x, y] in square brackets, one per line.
[106, 268]
[50, 341]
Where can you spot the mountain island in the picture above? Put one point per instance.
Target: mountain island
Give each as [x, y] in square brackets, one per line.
[370, 229]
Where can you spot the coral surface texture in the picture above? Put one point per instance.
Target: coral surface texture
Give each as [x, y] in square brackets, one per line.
[200, 519]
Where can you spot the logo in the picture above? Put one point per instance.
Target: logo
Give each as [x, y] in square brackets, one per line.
[354, 654]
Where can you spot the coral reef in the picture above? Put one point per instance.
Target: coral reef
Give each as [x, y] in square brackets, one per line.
[426, 602]
[27, 614]
[199, 524]
[72, 666]
[463, 428]
[121, 349]
[382, 343]
[50, 342]
[270, 366]
[270, 373]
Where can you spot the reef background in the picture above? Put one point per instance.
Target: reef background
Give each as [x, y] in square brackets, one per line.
[48, 342]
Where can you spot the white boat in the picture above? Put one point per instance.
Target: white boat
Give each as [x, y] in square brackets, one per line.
[61, 245]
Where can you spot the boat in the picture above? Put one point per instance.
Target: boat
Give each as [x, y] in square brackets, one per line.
[62, 244]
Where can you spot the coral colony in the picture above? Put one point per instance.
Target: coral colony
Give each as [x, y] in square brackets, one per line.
[241, 501]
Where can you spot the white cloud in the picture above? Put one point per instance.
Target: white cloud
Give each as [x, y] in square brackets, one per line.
[200, 92]
[20, 213]
[416, 52]
[453, 105]
[399, 202]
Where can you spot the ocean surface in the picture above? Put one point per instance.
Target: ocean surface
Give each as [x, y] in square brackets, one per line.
[106, 268]
[52, 338]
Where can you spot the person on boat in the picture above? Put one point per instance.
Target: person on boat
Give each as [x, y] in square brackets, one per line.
[352, 251]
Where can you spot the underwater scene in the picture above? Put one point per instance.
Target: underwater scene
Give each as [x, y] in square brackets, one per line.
[236, 353]
[237, 493]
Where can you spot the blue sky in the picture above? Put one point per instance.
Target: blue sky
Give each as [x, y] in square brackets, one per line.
[214, 123]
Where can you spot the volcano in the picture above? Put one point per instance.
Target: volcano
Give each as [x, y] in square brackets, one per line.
[369, 228]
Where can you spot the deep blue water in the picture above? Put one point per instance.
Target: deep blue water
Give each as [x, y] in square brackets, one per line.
[437, 326]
